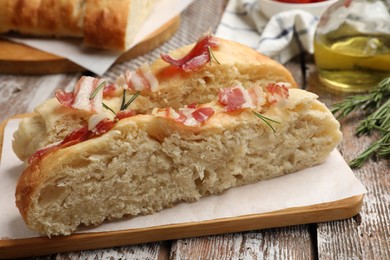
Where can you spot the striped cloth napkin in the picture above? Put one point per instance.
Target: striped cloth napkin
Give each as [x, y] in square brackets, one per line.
[282, 37]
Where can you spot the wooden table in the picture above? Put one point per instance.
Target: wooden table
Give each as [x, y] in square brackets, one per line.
[365, 236]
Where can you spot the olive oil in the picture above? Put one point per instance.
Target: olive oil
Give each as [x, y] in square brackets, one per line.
[352, 63]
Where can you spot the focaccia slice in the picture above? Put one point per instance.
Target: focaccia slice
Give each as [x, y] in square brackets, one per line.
[146, 163]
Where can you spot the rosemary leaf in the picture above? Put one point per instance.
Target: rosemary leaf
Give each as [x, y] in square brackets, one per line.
[131, 100]
[94, 93]
[266, 120]
[108, 108]
[123, 100]
[212, 57]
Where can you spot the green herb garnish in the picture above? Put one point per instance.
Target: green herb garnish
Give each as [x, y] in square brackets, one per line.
[212, 57]
[108, 108]
[376, 104]
[94, 93]
[126, 105]
[123, 100]
[266, 120]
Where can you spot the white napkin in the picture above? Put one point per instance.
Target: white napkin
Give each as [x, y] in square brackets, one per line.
[99, 61]
[280, 37]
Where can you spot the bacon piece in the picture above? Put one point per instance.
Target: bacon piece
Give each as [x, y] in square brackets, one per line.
[80, 134]
[187, 116]
[42, 152]
[197, 62]
[141, 79]
[135, 81]
[147, 73]
[72, 138]
[276, 92]
[64, 98]
[257, 96]
[125, 114]
[197, 57]
[85, 87]
[75, 137]
[234, 98]
[109, 91]
[182, 117]
[192, 105]
[176, 115]
[103, 126]
[81, 96]
[202, 114]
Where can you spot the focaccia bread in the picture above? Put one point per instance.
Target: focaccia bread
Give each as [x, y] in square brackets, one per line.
[147, 163]
[238, 65]
[123, 162]
[101, 23]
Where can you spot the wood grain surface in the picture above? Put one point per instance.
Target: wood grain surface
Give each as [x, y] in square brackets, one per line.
[365, 236]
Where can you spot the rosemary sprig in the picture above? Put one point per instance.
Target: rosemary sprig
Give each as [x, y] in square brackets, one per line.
[378, 120]
[376, 104]
[109, 108]
[212, 57]
[94, 93]
[126, 105]
[266, 120]
[123, 100]
[370, 101]
[380, 147]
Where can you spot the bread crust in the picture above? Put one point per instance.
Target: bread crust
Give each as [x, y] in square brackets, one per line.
[229, 54]
[101, 23]
[43, 17]
[105, 23]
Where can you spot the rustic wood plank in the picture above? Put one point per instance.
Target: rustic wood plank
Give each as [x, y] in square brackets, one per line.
[365, 236]
[278, 243]
[20, 94]
[156, 251]
[145, 251]
[294, 216]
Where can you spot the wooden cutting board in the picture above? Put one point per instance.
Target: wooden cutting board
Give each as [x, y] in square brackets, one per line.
[335, 210]
[18, 58]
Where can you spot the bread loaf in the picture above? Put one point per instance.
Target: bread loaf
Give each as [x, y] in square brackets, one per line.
[101, 23]
[251, 128]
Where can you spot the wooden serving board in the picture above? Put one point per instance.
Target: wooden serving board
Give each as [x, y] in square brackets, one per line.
[336, 210]
[18, 58]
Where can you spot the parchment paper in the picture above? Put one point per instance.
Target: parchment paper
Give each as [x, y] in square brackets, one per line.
[331, 181]
[99, 61]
